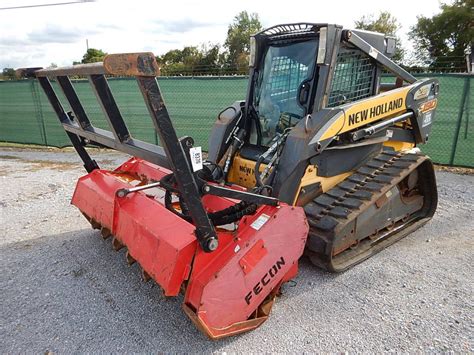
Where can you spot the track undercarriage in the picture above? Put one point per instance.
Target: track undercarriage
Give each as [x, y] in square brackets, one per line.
[390, 196]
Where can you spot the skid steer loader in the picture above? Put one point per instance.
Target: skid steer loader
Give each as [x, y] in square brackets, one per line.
[320, 159]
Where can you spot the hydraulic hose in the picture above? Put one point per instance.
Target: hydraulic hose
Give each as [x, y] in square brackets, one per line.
[273, 152]
[236, 144]
[225, 216]
[258, 178]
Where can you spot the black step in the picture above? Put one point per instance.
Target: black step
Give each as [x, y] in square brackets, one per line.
[336, 192]
[391, 153]
[348, 185]
[327, 223]
[364, 170]
[410, 157]
[384, 179]
[373, 186]
[376, 164]
[402, 164]
[357, 178]
[391, 171]
[324, 200]
[339, 212]
[383, 157]
[314, 210]
[351, 203]
[362, 194]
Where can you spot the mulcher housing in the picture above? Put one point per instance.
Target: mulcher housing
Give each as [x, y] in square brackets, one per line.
[229, 276]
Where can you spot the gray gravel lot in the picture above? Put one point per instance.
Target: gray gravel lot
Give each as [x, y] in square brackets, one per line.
[63, 289]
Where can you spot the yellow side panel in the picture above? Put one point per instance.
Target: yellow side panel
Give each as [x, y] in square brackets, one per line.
[310, 177]
[399, 146]
[242, 172]
[369, 110]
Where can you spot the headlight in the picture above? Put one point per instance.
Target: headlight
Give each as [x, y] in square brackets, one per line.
[253, 51]
[321, 59]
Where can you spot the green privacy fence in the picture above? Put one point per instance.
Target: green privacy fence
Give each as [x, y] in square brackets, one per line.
[194, 102]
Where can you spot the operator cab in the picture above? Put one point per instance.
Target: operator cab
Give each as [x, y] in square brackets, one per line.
[296, 71]
[282, 78]
[281, 89]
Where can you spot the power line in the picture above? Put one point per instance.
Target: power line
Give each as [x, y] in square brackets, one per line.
[43, 5]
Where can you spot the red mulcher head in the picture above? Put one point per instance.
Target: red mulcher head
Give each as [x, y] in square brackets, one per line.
[166, 212]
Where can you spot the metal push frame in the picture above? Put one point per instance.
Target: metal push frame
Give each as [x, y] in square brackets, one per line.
[174, 153]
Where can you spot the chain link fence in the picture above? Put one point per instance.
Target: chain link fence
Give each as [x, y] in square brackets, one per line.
[194, 102]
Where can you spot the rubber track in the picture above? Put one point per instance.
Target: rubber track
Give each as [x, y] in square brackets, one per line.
[331, 211]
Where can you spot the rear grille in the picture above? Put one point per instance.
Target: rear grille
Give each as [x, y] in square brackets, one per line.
[353, 78]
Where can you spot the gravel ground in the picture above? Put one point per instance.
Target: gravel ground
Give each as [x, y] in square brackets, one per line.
[63, 289]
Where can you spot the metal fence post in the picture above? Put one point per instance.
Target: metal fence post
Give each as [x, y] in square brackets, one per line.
[38, 111]
[458, 125]
[467, 107]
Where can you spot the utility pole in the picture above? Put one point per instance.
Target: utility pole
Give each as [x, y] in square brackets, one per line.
[87, 44]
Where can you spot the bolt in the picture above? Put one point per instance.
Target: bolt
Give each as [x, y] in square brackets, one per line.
[121, 193]
[212, 244]
[207, 188]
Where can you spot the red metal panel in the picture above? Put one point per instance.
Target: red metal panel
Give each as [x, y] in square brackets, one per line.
[94, 195]
[220, 292]
[253, 256]
[143, 169]
[160, 241]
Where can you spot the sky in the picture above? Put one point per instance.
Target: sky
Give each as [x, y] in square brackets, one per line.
[57, 34]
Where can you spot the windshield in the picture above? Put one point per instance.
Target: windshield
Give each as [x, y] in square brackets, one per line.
[285, 68]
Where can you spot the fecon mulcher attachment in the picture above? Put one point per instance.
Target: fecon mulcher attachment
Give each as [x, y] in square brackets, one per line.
[167, 215]
[321, 156]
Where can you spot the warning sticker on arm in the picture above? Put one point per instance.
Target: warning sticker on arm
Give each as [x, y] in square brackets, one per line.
[196, 158]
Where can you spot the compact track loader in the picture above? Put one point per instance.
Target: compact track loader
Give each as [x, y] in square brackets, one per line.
[321, 158]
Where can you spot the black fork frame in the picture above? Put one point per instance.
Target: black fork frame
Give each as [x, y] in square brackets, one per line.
[172, 155]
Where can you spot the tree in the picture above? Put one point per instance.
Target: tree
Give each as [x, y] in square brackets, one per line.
[93, 55]
[385, 23]
[210, 55]
[444, 39]
[171, 57]
[238, 38]
[177, 61]
[8, 74]
[191, 60]
[191, 57]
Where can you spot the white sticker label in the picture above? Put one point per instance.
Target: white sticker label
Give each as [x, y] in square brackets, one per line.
[196, 158]
[373, 52]
[260, 221]
[427, 119]
[389, 133]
